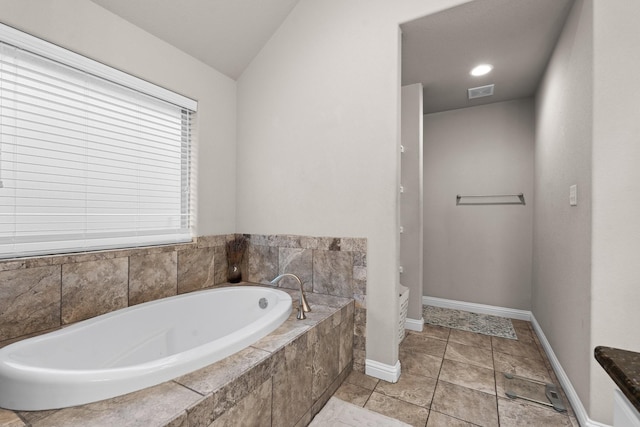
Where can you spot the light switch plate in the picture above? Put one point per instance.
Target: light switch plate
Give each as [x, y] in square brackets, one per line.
[573, 195]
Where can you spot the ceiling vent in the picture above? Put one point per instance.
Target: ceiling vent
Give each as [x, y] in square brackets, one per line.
[480, 91]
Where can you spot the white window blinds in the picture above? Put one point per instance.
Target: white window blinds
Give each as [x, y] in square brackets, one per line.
[85, 162]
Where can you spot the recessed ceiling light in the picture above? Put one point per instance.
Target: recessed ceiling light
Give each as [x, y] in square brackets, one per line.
[481, 69]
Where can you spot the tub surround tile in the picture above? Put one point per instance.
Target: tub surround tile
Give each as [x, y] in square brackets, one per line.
[221, 266]
[152, 406]
[213, 377]
[335, 385]
[180, 420]
[13, 265]
[196, 269]
[333, 273]
[93, 288]
[212, 241]
[29, 301]
[299, 262]
[345, 354]
[463, 403]
[252, 410]
[262, 263]
[283, 335]
[353, 244]
[292, 383]
[325, 358]
[94, 283]
[152, 276]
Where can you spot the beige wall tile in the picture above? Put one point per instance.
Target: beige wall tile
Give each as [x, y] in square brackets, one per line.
[152, 277]
[93, 288]
[29, 301]
[195, 269]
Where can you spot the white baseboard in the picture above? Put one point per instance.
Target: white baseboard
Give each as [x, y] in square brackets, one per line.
[572, 395]
[511, 313]
[414, 324]
[389, 373]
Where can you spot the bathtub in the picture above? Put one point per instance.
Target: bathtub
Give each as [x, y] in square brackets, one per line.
[136, 347]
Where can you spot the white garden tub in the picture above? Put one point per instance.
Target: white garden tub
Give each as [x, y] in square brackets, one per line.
[136, 347]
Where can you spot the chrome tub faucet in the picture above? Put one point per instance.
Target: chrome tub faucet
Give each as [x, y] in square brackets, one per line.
[304, 306]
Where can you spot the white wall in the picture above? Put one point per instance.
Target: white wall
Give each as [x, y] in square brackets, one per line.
[479, 254]
[562, 233]
[615, 296]
[411, 209]
[318, 138]
[84, 27]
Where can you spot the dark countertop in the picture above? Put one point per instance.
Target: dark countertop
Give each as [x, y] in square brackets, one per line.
[623, 366]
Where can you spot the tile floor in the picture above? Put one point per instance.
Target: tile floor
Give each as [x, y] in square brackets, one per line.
[455, 378]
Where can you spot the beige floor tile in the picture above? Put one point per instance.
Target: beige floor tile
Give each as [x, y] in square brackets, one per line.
[338, 413]
[414, 389]
[436, 419]
[525, 335]
[434, 331]
[470, 338]
[362, 380]
[467, 354]
[420, 364]
[521, 366]
[516, 348]
[463, 403]
[521, 324]
[394, 408]
[470, 376]
[424, 344]
[516, 414]
[353, 394]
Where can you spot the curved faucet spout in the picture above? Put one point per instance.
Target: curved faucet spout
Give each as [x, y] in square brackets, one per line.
[303, 299]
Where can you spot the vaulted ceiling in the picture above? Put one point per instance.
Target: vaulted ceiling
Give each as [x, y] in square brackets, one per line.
[225, 34]
[516, 36]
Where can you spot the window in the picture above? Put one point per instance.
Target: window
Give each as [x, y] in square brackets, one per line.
[90, 157]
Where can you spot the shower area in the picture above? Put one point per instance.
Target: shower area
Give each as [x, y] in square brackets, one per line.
[468, 143]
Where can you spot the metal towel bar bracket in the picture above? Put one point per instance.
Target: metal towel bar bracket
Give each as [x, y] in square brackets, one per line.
[481, 199]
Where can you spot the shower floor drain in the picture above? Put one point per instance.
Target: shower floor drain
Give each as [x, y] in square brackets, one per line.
[533, 391]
